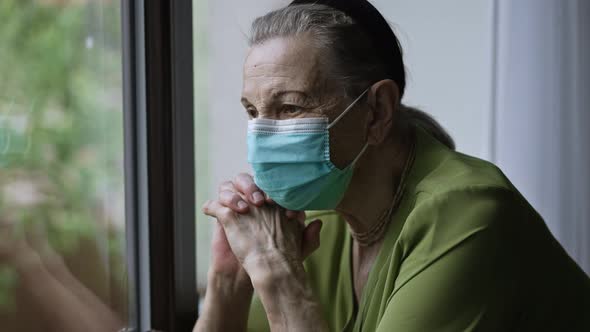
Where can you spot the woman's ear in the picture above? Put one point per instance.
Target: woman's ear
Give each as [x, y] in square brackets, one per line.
[383, 99]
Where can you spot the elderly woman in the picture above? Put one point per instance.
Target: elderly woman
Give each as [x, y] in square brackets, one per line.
[414, 236]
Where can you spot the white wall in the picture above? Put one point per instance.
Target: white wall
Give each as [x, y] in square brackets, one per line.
[542, 113]
[448, 54]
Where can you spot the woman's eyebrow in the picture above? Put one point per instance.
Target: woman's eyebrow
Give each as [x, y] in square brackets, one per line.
[245, 101]
[278, 94]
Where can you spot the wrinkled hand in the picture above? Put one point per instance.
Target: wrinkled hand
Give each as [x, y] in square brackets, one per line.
[255, 228]
[241, 192]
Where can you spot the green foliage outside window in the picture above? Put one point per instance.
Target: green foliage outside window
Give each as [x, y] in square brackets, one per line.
[61, 126]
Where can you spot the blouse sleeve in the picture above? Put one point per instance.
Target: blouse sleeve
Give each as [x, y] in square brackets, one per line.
[457, 274]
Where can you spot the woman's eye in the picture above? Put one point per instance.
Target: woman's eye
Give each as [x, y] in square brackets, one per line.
[252, 113]
[291, 109]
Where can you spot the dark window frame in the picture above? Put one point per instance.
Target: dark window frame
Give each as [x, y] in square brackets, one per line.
[159, 164]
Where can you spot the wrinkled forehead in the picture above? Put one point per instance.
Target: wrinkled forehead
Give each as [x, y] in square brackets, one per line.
[283, 64]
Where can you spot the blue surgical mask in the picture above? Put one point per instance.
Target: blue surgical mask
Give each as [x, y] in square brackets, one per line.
[291, 161]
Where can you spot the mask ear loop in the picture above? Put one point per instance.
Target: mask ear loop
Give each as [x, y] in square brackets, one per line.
[343, 114]
[348, 108]
[360, 154]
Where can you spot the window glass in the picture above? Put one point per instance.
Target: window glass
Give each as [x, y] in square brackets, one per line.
[62, 218]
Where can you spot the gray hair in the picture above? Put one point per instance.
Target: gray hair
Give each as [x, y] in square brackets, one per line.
[347, 49]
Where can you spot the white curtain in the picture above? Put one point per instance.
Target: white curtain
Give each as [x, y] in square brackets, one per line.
[541, 134]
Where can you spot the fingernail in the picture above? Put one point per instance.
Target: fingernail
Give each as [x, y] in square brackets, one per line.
[257, 196]
[242, 204]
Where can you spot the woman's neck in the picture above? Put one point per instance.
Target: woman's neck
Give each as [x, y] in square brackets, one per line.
[375, 183]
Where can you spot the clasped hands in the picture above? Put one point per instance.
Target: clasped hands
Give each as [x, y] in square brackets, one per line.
[256, 237]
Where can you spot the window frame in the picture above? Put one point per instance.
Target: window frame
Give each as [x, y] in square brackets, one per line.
[159, 164]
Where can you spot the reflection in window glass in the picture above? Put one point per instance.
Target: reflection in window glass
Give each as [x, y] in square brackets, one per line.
[62, 248]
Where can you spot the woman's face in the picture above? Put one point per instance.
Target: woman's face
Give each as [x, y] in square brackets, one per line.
[284, 78]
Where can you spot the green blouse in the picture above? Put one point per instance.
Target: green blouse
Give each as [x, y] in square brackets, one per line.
[464, 252]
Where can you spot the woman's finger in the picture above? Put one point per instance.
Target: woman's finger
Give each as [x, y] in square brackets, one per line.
[233, 201]
[217, 210]
[311, 238]
[244, 183]
[205, 207]
[299, 215]
[227, 186]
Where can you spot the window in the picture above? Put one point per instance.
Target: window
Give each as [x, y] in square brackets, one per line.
[96, 166]
[63, 262]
